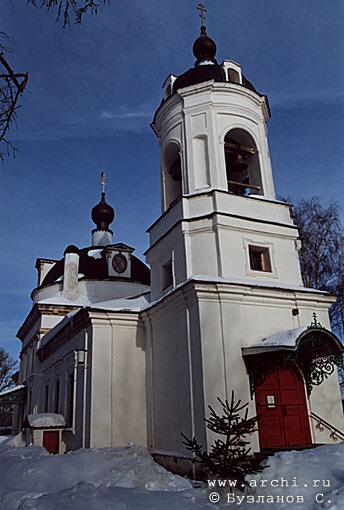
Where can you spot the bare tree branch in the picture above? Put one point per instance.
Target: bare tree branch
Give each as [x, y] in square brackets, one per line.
[70, 11]
[322, 252]
[12, 85]
[7, 368]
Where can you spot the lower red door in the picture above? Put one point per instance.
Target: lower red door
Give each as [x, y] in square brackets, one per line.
[51, 441]
[282, 410]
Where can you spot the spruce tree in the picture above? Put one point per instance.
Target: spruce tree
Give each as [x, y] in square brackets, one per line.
[229, 458]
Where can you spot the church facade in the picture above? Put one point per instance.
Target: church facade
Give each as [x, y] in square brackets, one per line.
[124, 353]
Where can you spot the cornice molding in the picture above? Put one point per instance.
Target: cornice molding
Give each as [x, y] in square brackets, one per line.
[36, 313]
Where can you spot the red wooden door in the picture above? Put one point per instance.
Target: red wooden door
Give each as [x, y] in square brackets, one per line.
[51, 441]
[282, 410]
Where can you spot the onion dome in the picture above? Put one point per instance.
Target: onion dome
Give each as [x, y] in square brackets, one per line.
[206, 67]
[103, 214]
[204, 49]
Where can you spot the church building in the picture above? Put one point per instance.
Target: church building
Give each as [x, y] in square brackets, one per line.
[114, 352]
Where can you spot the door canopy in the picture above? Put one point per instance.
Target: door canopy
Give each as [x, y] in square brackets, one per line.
[314, 350]
[13, 395]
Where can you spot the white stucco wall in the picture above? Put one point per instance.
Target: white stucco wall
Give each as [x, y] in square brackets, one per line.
[109, 386]
[175, 392]
[211, 233]
[197, 120]
[324, 402]
[195, 354]
[93, 290]
[117, 381]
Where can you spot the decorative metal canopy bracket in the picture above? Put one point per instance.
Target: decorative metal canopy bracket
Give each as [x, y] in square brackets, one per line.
[15, 397]
[315, 357]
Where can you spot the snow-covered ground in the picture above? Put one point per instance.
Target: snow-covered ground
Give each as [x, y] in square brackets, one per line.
[128, 479]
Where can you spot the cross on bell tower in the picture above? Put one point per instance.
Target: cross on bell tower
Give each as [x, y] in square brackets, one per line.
[103, 178]
[201, 8]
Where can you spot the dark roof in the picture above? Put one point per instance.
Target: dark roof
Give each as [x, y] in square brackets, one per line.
[204, 48]
[199, 74]
[206, 67]
[103, 214]
[97, 269]
[204, 73]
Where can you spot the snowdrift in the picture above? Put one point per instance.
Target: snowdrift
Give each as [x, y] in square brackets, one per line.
[128, 479]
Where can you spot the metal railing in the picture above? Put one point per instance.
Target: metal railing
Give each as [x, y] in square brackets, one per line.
[335, 433]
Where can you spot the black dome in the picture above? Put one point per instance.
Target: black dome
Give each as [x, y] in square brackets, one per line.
[96, 268]
[103, 214]
[206, 67]
[199, 75]
[71, 249]
[204, 48]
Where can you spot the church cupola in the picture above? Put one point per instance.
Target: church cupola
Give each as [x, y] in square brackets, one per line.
[212, 130]
[206, 67]
[102, 215]
[204, 49]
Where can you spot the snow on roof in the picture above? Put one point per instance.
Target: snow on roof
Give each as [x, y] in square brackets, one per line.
[60, 325]
[256, 283]
[96, 254]
[135, 303]
[285, 338]
[46, 420]
[267, 199]
[12, 390]
[142, 302]
[57, 299]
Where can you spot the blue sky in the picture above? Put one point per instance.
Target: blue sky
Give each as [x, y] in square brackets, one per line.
[91, 96]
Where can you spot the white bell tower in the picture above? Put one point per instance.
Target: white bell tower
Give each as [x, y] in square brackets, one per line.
[219, 216]
[225, 274]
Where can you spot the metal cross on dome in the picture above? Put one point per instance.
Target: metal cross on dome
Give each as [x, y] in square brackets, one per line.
[201, 8]
[103, 178]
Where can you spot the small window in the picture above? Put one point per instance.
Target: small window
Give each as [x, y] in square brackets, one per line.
[32, 359]
[29, 403]
[260, 259]
[167, 275]
[46, 398]
[172, 174]
[70, 400]
[57, 397]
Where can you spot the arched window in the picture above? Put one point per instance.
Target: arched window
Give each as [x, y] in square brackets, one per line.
[242, 163]
[172, 173]
[233, 76]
